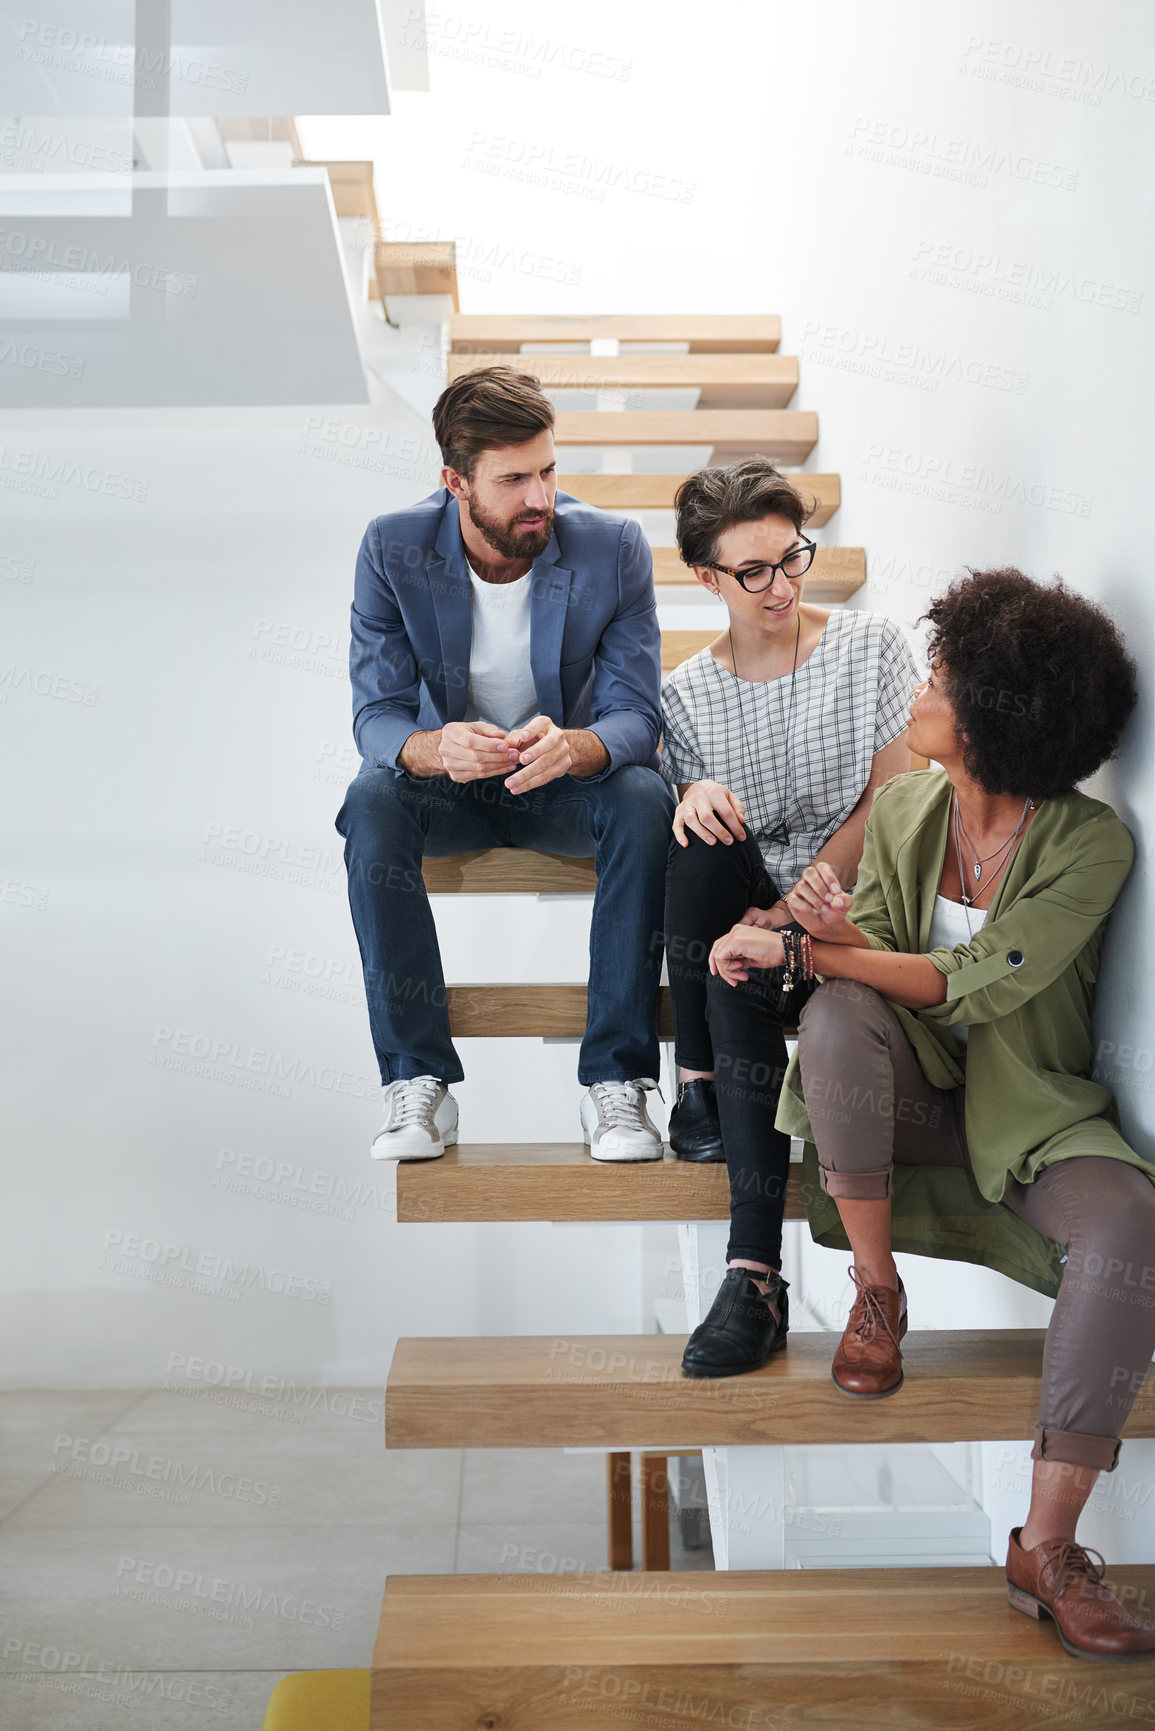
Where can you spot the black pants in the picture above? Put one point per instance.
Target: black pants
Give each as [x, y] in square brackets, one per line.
[736, 1031]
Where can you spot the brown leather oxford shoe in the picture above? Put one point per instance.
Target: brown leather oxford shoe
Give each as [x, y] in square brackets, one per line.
[868, 1361]
[1059, 1579]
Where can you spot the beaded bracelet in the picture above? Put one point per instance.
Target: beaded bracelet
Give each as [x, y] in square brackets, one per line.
[797, 956]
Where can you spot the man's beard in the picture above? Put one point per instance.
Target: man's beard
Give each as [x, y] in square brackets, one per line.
[509, 540]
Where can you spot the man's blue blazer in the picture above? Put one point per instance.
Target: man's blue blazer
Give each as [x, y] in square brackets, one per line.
[595, 648]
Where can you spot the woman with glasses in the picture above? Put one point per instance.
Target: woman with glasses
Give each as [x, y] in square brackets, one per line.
[775, 737]
[945, 1080]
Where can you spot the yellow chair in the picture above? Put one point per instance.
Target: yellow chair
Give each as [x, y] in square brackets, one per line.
[319, 1701]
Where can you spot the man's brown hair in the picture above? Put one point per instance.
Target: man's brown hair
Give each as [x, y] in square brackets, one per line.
[492, 406]
[710, 501]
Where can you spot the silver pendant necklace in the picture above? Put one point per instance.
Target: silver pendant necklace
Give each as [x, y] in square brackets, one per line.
[960, 834]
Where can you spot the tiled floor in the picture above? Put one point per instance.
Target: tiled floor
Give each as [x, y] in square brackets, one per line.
[165, 1558]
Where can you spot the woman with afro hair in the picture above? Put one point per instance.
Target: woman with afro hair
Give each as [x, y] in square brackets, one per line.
[943, 1079]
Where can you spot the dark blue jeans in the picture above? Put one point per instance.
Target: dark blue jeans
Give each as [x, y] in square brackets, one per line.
[390, 822]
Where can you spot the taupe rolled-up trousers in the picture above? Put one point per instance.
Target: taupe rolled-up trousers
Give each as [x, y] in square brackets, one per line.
[870, 1105]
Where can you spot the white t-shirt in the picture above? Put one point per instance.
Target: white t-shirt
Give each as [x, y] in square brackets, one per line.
[501, 688]
[948, 927]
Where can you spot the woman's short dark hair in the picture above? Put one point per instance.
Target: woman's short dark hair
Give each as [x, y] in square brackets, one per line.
[710, 501]
[483, 409]
[1039, 677]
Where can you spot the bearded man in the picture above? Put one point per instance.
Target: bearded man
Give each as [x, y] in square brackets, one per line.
[505, 664]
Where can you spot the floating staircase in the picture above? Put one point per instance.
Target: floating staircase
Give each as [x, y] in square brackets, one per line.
[840, 1648]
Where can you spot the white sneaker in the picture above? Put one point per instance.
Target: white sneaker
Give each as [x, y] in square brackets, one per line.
[420, 1120]
[615, 1124]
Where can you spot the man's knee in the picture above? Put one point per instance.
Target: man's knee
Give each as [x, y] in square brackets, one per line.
[635, 801]
[385, 837]
[638, 791]
[373, 804]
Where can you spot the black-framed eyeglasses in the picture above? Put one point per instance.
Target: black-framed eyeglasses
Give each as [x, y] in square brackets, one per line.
[755, 578]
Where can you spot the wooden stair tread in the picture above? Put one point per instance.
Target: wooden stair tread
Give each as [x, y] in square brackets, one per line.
[841, 1648]
[765, 381]
[560, 1181]
[628, 1391]
[414, 268]
[788, 1619]
[645, 492]
[540, 1010]
[835, 574]
[706, 333]
[787, 433]
[509, 871]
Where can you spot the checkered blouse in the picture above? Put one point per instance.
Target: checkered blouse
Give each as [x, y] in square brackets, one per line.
[851, 698]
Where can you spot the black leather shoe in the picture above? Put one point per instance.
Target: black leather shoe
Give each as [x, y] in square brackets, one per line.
[695, 1133]
[739, 1332]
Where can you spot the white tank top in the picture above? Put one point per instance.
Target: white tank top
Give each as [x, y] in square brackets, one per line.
[948, 927]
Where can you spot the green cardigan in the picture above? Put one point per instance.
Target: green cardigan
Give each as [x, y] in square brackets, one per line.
[1024, 986]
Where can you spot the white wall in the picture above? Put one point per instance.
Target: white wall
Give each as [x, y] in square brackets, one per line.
[737, 173]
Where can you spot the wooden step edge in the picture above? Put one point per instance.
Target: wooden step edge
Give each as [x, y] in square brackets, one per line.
[919, 1647]
[641, 491]
[790, 432]
[723, 382]
[488, 1181]
[874, 1613]
[705, 333]
[595, 372]
[509, 871]
[628, 1391]
[414, 268]
[520, 1011]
